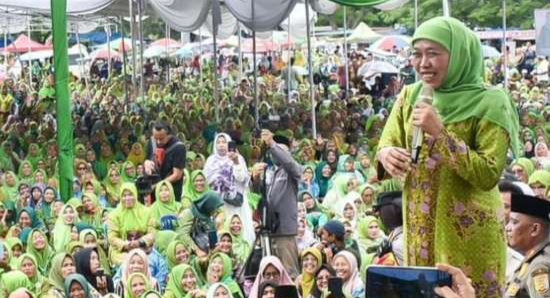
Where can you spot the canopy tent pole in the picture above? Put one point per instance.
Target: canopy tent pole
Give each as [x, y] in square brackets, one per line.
[504, 29]
[133, 38]
[215, 49]
[141, 44]
[255, 89]
[6, 45]
[310, 66]
[83, 72]
[63, 101]
[126, 92]
[415, 14]
[446, 8]
[167, 36]
[200, 56]
[288, 66]
[30, 49]
[108, 31]
[346, 50]
[240, 51]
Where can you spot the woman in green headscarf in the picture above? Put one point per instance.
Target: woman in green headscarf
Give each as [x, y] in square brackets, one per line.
[335, 198]
[38, 247]
[15, 246]
[10, 187]
[311, 259]
[92, 212]
[165, 208]
[369, 237]
[460, 163]
[40, 178]
[194, 187]
[137, 154]
[138, 284]
[220, 269]
[34, 155]
[183, 282]
[88, 238]
[368, 196]
[113, 183]
[27, 264]
[77, 283]
[241, 247]
[540, 183]
[64, 225]
[12, 281]
[129, 226]
[523, 168]
[128, 170]
[26, 173]
[178, 252]
[200, 213]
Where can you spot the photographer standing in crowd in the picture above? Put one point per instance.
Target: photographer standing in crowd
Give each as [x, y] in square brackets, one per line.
[282, 198]
[166, 157]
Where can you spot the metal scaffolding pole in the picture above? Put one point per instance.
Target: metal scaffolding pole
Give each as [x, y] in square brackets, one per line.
[310, 66]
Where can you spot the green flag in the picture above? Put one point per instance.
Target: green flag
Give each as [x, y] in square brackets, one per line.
[64, 121]
[359, 2]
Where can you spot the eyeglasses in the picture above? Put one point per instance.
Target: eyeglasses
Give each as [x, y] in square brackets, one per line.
[82, 168]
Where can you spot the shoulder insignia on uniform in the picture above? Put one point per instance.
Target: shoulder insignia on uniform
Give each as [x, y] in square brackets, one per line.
[512, 290]
[541, 280]
[523, 270]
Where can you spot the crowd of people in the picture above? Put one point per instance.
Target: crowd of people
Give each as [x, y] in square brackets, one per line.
[227, 180]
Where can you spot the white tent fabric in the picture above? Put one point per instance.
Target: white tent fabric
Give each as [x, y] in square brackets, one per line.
[391, 5]
[268, 14]
[182, 15]
[73, 6]
[324, 6]
[362, 34]
[297, 17]
[12, 24]
[226, 29]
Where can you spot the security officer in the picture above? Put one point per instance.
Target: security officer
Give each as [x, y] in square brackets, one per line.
[528, 232]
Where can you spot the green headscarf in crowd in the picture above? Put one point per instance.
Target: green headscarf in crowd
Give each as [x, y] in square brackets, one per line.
[171, 252]
[28, 179]
[133, 276]
[10, 192]
[131, 219]
[44, 256]
[159, 208]
[80, 280]
[526, 164]
[14, 280]
[38, 280]
[177, 274]
[190, 193]
[463, 95]
[542, 177]
[241, 247]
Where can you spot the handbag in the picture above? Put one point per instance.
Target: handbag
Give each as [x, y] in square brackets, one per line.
[199, 233]
[236, 200]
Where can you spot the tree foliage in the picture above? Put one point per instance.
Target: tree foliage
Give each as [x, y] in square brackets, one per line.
[475, 13]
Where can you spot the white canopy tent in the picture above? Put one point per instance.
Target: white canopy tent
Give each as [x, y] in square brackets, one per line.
[363, 34]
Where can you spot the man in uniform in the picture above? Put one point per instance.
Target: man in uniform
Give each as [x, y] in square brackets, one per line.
[389, 209]
[528, 233]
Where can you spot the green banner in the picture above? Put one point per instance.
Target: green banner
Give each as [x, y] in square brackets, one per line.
[63, 101]
[359, 3]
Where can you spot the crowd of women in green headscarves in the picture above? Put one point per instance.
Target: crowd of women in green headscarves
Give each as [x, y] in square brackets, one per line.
[151, 250]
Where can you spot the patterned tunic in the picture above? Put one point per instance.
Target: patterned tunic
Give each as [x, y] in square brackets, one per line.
[452, 208]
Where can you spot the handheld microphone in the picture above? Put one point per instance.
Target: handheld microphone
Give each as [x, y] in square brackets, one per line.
[418, 135]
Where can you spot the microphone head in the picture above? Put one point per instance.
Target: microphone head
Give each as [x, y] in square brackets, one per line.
[427, 94]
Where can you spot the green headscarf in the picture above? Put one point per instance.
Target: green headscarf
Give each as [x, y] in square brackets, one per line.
[227, 274]
[159, 208]
[29, 179]
[365, 241]
[131, 219]
[526, 164]
[542, 177]
[124, 175]
[62, 231]
[10, 192]
[241, 247]
[463, 94]
[11, 242]
[132, 276]
[38, 280]
[44, 256]
[171, 252]
[113, 189]
[34, 159]
[174, 281]
[206, 205]
[163, 240]
[190, 193]
[14, 280]
[79, 279]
